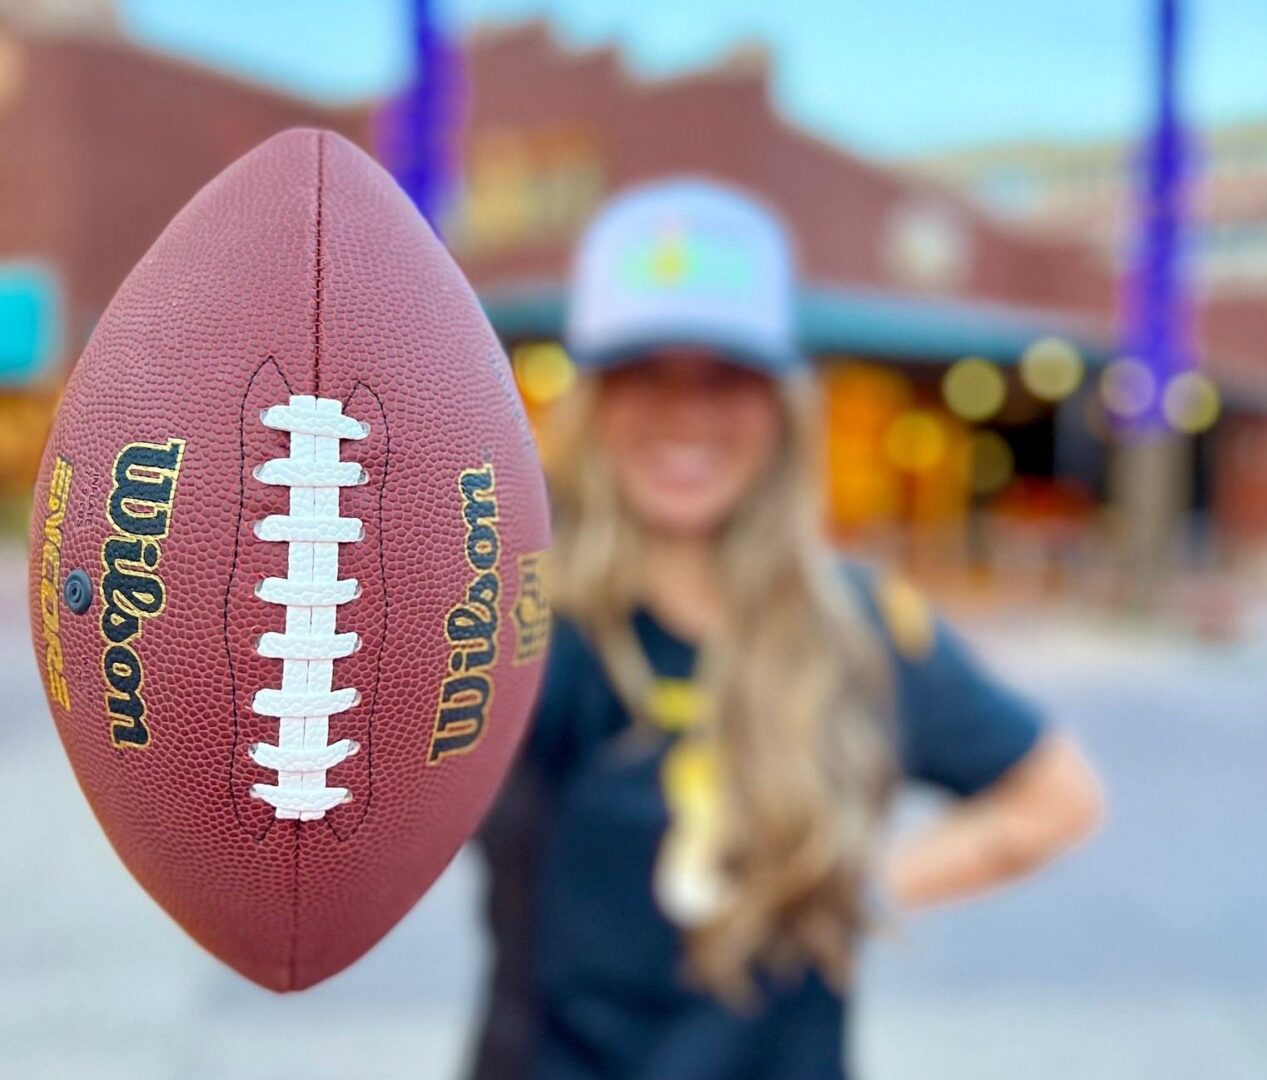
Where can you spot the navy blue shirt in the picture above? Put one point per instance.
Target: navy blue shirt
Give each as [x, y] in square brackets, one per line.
[589, 981]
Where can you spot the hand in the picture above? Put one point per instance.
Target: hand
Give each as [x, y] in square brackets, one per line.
[1043, 805]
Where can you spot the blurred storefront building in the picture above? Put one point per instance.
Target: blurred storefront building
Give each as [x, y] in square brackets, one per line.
[960, 352]
[917, 304]
[1087, 191]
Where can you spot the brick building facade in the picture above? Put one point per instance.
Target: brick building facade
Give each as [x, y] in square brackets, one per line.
[550, 131]
[100, 144]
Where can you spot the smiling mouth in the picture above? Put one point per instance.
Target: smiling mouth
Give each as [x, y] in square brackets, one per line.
[683, 464]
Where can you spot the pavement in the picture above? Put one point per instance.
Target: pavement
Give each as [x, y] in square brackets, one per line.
[1142, 955]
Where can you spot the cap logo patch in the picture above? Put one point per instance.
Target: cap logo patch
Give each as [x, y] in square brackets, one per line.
[676, 259]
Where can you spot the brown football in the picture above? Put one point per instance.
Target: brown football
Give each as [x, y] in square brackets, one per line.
[284, 562]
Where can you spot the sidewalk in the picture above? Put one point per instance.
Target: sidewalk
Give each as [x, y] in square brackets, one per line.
[1145, 955]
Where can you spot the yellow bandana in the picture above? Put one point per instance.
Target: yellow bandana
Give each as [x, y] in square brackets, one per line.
[689, 883]
[675, 705]
[907, 618]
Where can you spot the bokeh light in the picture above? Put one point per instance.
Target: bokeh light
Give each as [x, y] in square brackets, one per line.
[544, 371]
[916, 441]
[1191, 403]
[1128, 387]
[1051, 369]
[974, 389]
[993, 463]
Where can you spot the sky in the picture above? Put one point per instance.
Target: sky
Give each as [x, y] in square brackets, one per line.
[884, 77]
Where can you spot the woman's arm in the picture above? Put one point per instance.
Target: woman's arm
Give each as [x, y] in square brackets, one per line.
[1044, 804]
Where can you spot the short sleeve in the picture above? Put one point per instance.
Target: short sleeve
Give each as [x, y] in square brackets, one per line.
[960, 728]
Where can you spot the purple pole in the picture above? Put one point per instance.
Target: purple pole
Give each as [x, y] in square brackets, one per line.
[1158, 305]
[417, 132]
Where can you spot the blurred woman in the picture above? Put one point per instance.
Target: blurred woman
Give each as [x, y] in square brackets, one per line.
[688, 855]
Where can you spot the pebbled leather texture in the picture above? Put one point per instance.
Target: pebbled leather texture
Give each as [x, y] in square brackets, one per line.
[302, 269]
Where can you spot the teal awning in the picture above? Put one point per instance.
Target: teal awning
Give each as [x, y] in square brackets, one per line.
[856, 322]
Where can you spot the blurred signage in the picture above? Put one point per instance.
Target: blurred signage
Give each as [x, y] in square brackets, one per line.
[30, 323]
[927, 246]
[525, 187]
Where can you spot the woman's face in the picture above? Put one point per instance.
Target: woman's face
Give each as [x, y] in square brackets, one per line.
[688, 437]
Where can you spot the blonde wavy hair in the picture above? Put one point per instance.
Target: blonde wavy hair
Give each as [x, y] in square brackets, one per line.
[797, 686]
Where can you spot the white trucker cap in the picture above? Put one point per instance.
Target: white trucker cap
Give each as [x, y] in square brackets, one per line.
[684, 262]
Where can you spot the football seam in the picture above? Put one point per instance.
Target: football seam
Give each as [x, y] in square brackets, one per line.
[319, 267]
[293, 960]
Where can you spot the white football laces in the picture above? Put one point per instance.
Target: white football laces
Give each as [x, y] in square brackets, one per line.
[311, 593]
